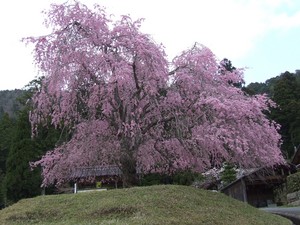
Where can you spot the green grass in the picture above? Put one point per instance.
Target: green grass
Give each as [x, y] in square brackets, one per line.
[161, 205]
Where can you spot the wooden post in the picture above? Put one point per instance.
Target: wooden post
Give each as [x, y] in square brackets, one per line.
[75, 188]
[244, 190]
[43, 191]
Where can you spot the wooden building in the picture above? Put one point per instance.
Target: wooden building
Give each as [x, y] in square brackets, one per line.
[96, 177]
[257, 186]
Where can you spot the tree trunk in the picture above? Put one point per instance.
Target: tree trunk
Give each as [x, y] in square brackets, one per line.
[128, 162]
[128, 166]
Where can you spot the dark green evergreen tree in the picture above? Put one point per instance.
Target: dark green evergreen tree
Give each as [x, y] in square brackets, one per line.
[228, 175]
[6, 136]
[256, 88]
[1, 112]
[6, 131]
[284, 90]
[2, 190]
[21, 181]
[287, 96]
[226, 65]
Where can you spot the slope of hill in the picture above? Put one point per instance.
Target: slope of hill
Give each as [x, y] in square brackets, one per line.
[9, 103]
[169, 204]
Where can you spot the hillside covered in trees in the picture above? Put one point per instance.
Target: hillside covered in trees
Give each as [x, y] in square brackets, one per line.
[18, 148]
[9, 102]
[284, 90]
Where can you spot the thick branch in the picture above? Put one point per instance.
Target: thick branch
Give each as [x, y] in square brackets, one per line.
[122, 111]
[135, 77]
[175, 70]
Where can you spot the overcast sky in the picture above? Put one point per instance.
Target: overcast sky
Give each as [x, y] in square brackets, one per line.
[262, 35]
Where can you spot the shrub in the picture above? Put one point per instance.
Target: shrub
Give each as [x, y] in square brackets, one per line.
[184, 177]
[280, 194]
[293, 182]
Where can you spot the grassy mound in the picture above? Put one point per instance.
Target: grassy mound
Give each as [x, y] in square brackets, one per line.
[141, 205]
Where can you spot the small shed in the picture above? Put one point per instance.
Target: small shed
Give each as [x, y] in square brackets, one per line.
[96, 175]
[257, 187]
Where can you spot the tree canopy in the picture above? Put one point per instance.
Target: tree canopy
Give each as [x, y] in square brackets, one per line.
[284, 91]
[287, 96]
[111, 87]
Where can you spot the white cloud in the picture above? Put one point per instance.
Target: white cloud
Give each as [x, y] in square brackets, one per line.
[230, 28]
[285, 21]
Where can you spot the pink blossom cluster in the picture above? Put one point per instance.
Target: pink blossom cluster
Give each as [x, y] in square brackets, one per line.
[112, 88]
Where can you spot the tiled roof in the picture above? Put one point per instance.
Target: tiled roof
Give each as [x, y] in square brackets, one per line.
[85, 172]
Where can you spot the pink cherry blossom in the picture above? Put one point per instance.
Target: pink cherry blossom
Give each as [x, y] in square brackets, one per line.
[123, 104]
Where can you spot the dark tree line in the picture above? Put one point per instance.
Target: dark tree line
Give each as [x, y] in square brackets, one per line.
[285, 91]
[18, 149]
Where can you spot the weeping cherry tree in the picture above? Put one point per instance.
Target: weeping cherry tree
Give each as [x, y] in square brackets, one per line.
[110, 86]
